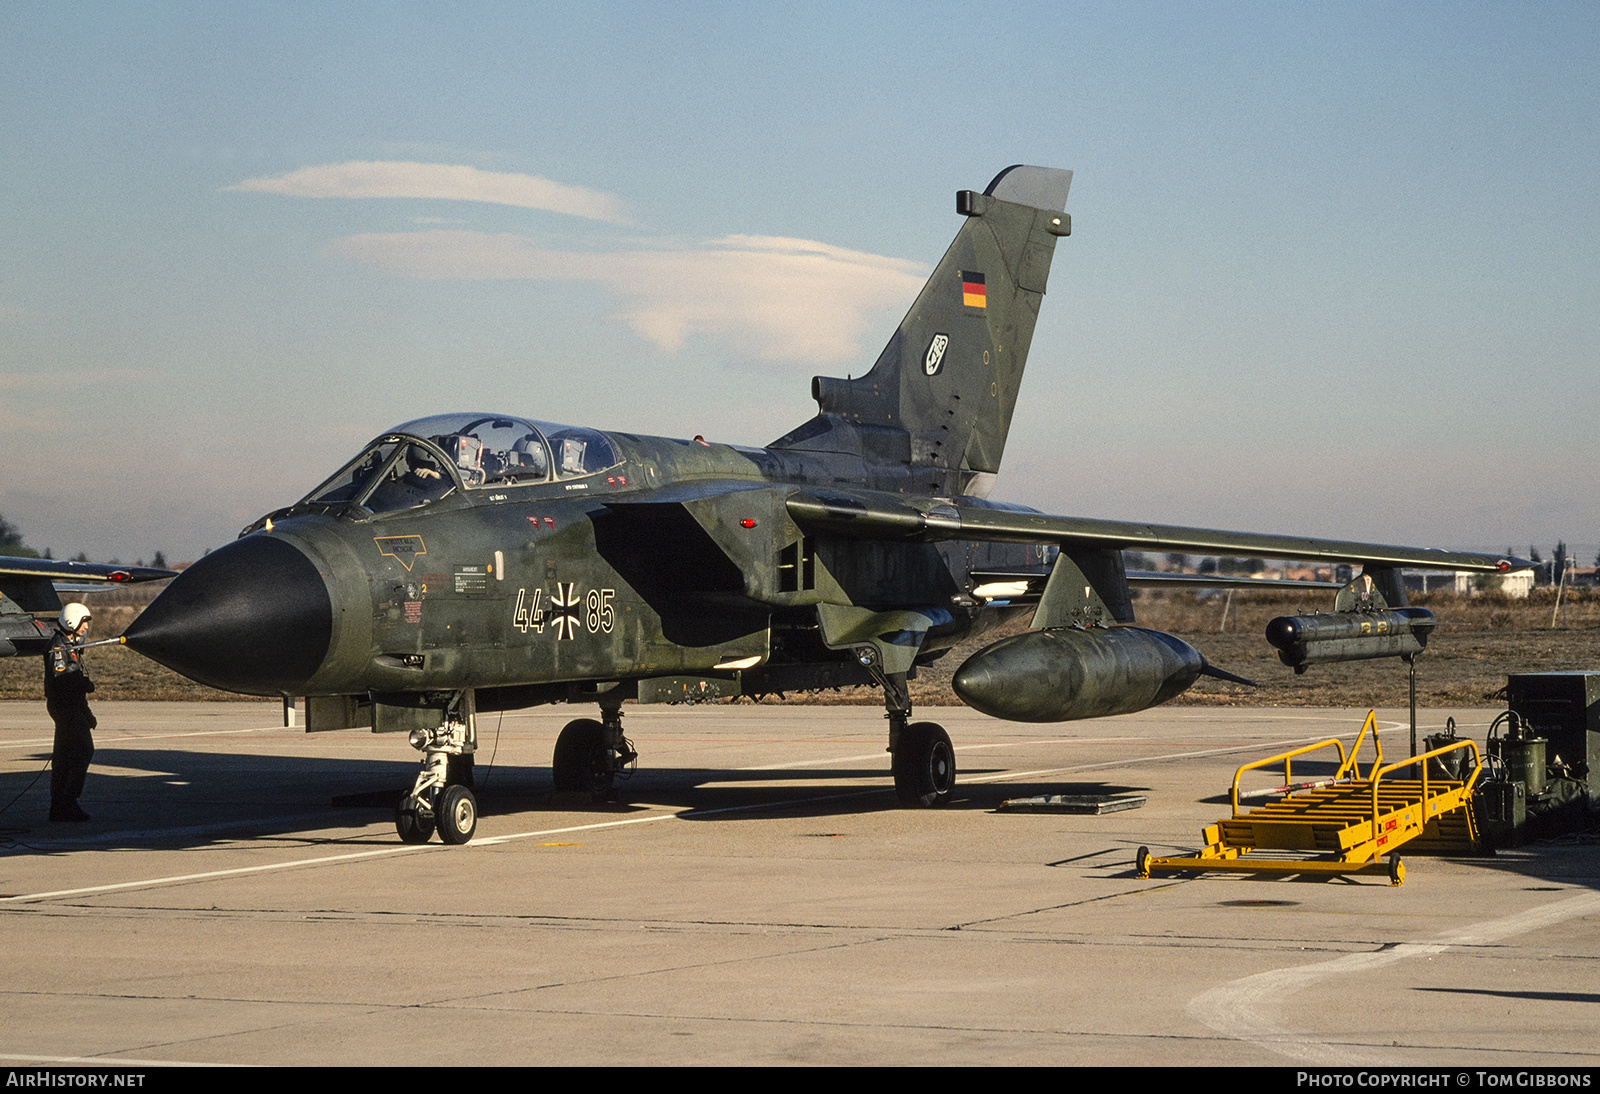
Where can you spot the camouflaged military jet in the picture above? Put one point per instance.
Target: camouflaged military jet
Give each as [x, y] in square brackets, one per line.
[480, 562]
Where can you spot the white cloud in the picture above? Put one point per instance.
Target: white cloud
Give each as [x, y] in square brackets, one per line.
[441, 181]
[763, 296]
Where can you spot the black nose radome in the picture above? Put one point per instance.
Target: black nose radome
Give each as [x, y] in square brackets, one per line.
[254, 616]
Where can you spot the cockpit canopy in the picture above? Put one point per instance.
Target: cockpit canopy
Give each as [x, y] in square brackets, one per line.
[399, 471]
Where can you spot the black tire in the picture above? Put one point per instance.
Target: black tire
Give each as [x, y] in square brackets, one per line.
[582, 762]
[924, 765]
[456, 815]
[1397, 869]
[412, 827]
[1141, 862]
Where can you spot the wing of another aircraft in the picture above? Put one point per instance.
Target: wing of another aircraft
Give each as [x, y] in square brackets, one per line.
[90, 572]
[870, 514]
[28, 587]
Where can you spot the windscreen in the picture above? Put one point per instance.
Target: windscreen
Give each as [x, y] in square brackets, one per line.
[414, 479]
[354, 478]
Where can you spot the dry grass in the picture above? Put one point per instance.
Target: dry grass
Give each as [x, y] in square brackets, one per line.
[1483, 639]
[1480, 640]
[118, 673]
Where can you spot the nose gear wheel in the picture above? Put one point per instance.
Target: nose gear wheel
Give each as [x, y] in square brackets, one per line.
[410, 823]
[456, 815]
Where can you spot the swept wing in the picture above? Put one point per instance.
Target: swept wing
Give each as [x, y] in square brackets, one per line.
[874, 515]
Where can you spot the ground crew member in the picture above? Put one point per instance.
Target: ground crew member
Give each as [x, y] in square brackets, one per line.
[66, 697]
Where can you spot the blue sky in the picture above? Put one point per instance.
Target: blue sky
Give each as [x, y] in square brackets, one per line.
[1333, 270]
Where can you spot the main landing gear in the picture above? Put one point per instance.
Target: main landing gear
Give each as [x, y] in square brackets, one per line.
[924, 762]
[590, 755]
[442, 796]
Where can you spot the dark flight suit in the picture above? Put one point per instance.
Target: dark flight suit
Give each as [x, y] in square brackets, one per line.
[66, 697]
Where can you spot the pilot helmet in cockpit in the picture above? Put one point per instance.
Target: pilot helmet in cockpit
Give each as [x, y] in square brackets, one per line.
[465, 452]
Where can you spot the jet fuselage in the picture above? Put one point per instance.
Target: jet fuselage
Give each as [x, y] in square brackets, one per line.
[678, 558]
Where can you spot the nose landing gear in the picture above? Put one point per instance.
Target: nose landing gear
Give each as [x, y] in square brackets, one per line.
[440, 798]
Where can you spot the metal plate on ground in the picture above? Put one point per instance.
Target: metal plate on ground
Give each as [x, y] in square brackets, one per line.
[1073, 803]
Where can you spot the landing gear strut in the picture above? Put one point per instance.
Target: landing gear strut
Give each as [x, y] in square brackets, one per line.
[590, 755]
[924, 762]
[442, 797]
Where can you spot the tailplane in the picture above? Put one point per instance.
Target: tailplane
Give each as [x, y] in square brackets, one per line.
[941, 394]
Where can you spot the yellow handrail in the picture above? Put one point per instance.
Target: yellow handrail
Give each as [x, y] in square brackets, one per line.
[1347, 763]
[1285, 757]
[1378, 774]
[1349, 766]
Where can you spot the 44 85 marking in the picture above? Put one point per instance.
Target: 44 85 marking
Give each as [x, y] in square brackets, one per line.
[569, 612]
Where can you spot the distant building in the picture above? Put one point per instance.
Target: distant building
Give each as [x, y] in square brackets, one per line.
[1309, 573]
[1517, 585]
[1429, 581]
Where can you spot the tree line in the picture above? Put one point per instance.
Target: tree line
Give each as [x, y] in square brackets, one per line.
[13, 546]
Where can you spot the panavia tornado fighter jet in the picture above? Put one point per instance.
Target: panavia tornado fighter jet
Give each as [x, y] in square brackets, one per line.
[480, 562]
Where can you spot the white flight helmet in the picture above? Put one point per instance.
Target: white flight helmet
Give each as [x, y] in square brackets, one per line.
[72, 617]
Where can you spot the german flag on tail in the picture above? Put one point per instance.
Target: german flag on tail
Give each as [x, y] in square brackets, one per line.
[973, 293]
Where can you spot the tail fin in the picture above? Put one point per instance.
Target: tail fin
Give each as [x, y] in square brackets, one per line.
[942, 391]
